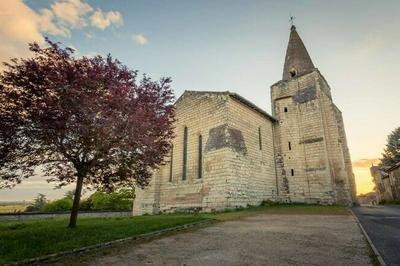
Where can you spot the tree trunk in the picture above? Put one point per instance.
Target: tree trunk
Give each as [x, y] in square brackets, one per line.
[77, 198]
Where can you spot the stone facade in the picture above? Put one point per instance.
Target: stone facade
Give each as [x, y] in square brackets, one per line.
[394, 180]
[313, 160]
[387, 182]
[229, 153]
[229, 157]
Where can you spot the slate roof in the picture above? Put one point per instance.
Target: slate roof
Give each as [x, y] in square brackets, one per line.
[297, 56]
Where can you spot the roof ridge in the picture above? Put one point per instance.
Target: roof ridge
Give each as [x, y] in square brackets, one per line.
[235, 96]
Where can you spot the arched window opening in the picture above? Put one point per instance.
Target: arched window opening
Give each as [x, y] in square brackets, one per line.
[200, 162]
[184, 162]
[170, 163]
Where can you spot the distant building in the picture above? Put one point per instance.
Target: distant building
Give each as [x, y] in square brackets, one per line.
[368, 198]
[394, 177]
[229, 153]
[387, 182]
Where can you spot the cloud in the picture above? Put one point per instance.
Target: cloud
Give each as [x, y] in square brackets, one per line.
[140, 39]
[89, 35]
[47, 25]
[103, 20]
[20, 24]
[71, 12]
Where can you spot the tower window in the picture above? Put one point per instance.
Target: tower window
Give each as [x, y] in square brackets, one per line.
[170, 163]
[292, 172]
[285, 109]
[184, 162]
[292, 73]
[290, 146]
[200, 156]
[259, 138]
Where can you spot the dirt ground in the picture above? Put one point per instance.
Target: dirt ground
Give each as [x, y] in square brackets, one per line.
[267, 239]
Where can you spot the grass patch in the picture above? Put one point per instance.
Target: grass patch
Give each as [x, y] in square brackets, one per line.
[20, 240]
[307, 209]
[33, 238]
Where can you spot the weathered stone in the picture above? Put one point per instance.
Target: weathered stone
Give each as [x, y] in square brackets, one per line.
[305, 95]
[224, 136]
[315, 169]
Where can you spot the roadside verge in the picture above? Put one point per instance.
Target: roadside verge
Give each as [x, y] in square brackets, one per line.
[146, 236]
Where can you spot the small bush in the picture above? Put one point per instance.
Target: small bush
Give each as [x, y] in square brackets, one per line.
[32, 208]
[121, 200]
[86, 205]
[268, 202]
[64, 204]
[393, 202]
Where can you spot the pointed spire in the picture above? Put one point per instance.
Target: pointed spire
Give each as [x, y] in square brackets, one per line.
[297, 60]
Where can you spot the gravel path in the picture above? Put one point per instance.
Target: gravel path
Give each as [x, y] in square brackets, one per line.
[270, 239]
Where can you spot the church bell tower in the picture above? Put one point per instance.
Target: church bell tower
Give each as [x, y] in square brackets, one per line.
[312, 157]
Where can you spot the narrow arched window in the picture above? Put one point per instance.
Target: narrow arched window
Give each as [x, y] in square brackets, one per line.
[170, 163]
[259, 138]
[200, 162]
[184, 162]
[293, 73]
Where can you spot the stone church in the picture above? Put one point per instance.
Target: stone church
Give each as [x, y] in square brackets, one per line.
[229, 153]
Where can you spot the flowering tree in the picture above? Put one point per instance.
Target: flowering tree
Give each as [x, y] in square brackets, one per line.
[84, 120]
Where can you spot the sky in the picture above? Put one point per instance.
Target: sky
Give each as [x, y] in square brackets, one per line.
[231, 45]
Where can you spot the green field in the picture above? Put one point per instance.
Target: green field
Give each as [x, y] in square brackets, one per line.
[12, 208]
[33, 238]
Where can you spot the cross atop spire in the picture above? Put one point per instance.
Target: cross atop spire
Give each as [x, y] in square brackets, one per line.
[291, 20]
[297, 60]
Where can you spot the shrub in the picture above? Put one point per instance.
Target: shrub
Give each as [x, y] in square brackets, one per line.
[31, 208]
[86, 205]
[64, 204]
[121, 200]
[389, 202]
[268, 203]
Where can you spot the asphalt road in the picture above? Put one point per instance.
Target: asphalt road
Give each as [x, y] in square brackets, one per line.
[382, 224]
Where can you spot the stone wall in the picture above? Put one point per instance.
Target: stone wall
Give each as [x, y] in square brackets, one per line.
[382, 183]
[234, 171]
[394, 176]
[253, 174]
[315, 166]
[168, 190]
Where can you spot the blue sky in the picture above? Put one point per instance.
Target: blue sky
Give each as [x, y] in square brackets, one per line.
[235, 45]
